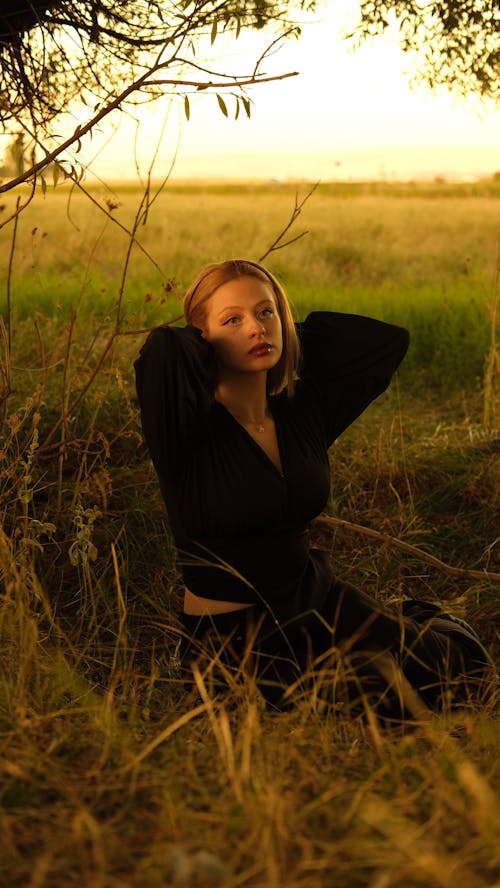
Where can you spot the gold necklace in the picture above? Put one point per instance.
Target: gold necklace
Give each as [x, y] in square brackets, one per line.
[259, 425]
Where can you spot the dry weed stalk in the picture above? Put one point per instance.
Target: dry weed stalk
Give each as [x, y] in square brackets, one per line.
[491, 393]
[5, 370]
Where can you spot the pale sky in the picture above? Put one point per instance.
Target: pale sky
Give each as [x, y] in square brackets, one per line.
[349, 113]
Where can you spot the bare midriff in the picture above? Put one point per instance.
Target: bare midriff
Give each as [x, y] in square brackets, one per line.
[197, 606]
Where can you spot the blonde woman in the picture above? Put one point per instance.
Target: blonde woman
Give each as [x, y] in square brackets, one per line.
[239, 408]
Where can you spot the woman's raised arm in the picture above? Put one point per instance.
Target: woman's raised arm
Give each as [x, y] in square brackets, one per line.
[175, 379]
[349, 360]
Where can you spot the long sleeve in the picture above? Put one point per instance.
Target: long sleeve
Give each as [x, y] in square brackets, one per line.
[175, 379]
[348, 360]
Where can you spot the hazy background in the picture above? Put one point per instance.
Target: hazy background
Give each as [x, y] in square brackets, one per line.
[349, 113]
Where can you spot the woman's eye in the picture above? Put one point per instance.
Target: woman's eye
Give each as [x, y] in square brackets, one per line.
[232, 320]
[266, 312]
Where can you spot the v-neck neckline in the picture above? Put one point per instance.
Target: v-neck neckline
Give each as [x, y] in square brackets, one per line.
[255, 443]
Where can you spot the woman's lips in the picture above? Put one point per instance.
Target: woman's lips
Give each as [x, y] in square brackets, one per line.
[262, 349]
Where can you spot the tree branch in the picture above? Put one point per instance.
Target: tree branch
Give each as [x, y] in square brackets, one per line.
[483, 575]
[233, 81]
[140, 83]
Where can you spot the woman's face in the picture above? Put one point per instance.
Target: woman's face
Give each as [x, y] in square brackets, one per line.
[243, 325]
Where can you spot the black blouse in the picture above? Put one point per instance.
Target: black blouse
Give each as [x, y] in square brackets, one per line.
[240, 526]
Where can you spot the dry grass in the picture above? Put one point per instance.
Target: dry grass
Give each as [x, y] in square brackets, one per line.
[119, 771]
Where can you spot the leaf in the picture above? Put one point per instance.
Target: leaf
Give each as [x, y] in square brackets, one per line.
[55, 174]
[44, 185]
[237, 112]
[213, 35]
[247, 105]
[222, 105]
[187, 109]
[73, 554]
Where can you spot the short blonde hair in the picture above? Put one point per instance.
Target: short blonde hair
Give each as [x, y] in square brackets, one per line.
[213, 276]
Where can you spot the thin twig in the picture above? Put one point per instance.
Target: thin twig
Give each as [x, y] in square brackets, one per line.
[116, 331]
[19, 209]
[65, 413]
[267, 51]
[5, 389]
[412, 550]
[276, 245]
[117, 223]
[9, 277]
[492, 363]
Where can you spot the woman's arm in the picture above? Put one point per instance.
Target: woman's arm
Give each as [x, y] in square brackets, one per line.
[349, 360]
[175, 380]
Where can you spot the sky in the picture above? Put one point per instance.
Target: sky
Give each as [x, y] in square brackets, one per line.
[349, 113]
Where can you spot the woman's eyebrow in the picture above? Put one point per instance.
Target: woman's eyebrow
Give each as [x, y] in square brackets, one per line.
[229, 308]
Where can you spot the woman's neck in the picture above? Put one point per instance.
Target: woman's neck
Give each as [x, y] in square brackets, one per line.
[245, 396]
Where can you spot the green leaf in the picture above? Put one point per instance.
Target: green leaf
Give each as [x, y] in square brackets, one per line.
[187, 109]
[213, 35]
[55, 173]
[247, 105]
[237, 112]
[222, 105]
[43, 184]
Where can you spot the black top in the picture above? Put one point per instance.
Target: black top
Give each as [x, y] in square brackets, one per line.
[240, 527]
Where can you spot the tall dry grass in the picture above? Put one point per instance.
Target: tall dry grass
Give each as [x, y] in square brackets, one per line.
[118, 769]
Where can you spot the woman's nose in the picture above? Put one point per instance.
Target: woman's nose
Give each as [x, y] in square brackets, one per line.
[257, 327]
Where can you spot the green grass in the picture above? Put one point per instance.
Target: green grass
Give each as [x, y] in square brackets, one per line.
[118, 771]
[422, 256]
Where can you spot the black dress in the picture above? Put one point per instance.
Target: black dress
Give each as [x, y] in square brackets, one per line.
[240, 526]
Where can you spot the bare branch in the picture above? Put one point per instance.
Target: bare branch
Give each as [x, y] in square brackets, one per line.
[483, 575]
[276, 245]
[267, 51]
[235, 81]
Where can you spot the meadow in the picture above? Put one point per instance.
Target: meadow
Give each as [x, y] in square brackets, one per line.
[118, 770]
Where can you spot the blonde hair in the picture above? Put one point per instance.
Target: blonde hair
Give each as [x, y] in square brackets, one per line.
[213, 276]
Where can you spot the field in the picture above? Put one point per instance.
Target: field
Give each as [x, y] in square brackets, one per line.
[117, 770]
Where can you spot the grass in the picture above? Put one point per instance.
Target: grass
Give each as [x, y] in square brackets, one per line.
[116, 769]
[424, 256]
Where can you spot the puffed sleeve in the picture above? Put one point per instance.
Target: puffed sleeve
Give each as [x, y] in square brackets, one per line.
[348, 360]
[175, 380]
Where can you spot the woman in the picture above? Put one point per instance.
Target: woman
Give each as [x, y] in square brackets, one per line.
[239, 409]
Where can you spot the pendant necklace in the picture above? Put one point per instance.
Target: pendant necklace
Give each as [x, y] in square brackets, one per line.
[259, 426]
